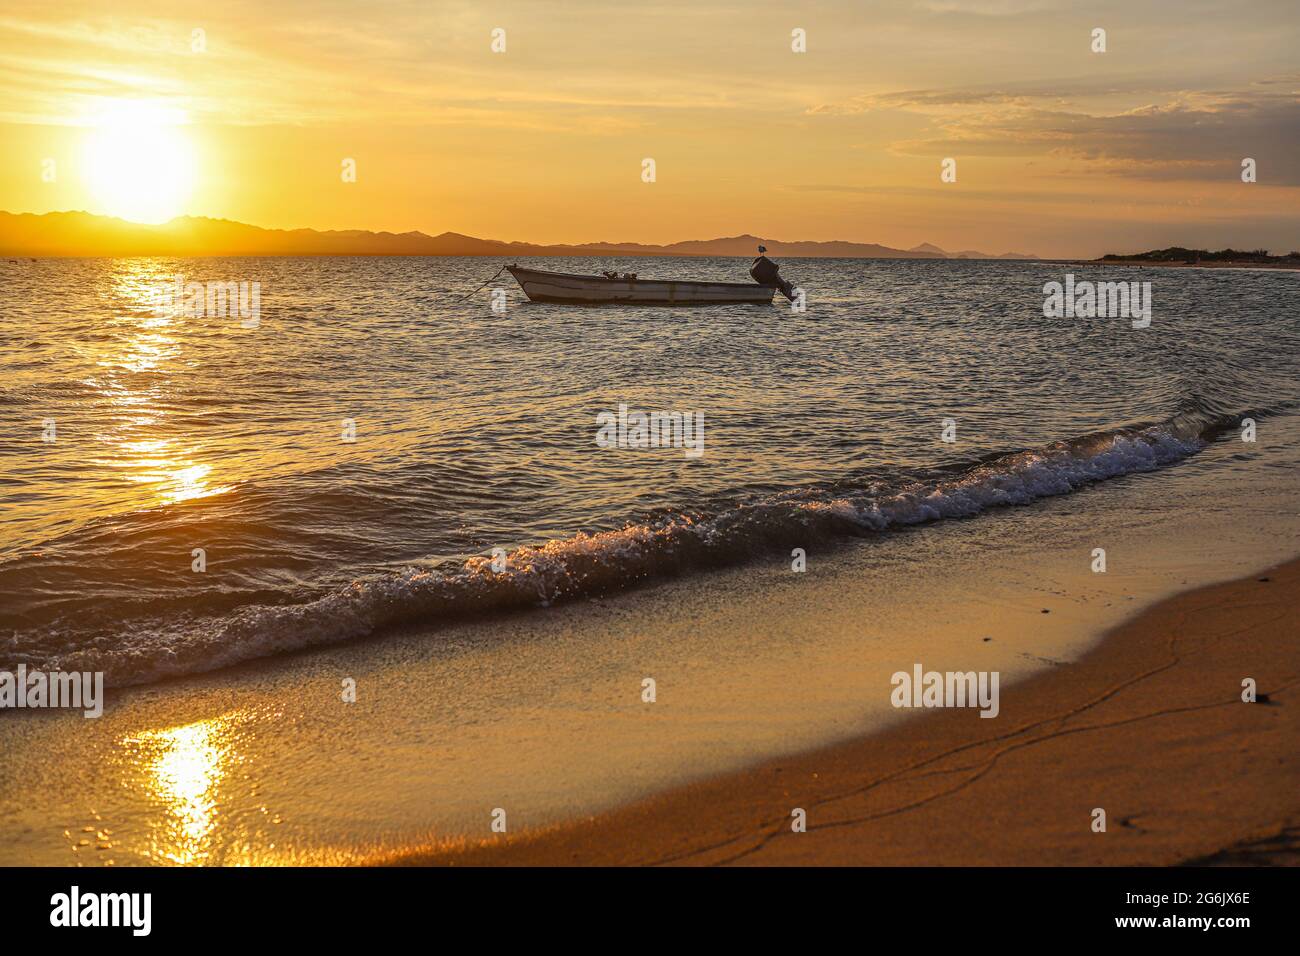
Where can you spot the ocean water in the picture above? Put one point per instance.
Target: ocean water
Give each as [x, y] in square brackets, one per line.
[477, 430]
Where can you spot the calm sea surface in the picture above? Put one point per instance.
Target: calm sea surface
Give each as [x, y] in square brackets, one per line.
[476, 430]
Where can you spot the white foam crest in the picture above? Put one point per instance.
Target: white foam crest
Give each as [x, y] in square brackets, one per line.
[1028, 476]
[589, 563]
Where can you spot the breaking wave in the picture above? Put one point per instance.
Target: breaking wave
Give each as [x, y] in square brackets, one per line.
[156, 646]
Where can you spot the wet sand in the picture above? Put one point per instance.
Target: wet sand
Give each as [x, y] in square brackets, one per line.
[1150, 726]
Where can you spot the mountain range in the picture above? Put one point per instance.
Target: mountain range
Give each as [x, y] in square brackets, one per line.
[84, 234]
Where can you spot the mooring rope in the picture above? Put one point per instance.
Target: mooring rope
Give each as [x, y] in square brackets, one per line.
[480, 288]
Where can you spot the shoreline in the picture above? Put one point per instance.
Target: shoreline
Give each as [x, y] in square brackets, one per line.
[542, 713]
[1149, 726]
[1154, 264]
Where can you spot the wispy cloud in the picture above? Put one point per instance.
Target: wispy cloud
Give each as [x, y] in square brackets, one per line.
[1186, 134]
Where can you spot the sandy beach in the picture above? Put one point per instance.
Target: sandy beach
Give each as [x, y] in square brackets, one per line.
[1150, 726]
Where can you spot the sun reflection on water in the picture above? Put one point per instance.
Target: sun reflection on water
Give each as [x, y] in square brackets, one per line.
[185, 766]
[137, 384]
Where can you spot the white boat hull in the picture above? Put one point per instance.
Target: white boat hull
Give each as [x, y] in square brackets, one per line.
[542, 286]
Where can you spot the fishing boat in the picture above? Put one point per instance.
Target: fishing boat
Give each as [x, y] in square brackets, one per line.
[627, 288]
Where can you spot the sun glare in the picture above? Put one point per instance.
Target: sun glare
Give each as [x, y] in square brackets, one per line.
[139, 162]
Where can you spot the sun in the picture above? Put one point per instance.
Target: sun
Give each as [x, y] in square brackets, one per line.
[139, 164]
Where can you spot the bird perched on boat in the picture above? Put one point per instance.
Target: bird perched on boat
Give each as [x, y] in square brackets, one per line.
[766, 272]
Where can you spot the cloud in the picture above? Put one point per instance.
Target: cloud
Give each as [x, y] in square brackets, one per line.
[1184, 135]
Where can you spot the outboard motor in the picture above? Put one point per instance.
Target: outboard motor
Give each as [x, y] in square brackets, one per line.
[766, 272]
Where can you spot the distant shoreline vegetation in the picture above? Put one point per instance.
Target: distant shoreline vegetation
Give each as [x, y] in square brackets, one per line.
[1193, 256]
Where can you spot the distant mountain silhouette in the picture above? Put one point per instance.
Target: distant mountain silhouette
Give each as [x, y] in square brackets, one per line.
[927, 247]
[84, 234]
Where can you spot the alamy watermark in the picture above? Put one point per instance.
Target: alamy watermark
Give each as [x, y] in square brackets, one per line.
[634, 429]
[950, 689]
[75, 908]
[1098, 300]
[215, 300]
[79, 690]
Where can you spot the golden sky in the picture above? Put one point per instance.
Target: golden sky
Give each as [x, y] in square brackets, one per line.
[1059, 151]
